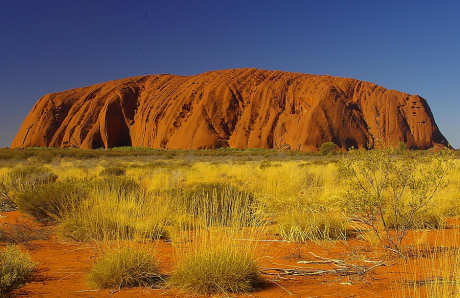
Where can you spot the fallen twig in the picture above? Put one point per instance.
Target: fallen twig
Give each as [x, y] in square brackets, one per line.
[283, 288]
[342, 268]
[83, 291]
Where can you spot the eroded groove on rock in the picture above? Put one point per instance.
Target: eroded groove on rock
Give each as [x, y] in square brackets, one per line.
[239, 108]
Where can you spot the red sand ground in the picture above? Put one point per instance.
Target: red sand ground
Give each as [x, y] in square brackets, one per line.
[63, 266]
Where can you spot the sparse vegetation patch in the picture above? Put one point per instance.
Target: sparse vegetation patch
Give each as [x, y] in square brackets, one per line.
[125, 267]
[219, 269]
[16, 268]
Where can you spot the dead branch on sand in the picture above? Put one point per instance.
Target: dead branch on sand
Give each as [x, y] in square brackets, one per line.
[341, 268]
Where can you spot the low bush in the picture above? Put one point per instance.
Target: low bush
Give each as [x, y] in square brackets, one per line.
[16, 268]
[328, 148]
[217, 269]
[53, 201]
[268, 164]
[378, 183]
[125, 267]
[45, 156]
[113, 171]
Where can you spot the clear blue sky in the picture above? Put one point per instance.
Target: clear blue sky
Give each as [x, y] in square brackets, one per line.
[48, 46]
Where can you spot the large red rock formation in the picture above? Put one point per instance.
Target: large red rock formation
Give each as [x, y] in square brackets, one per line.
[238, 108]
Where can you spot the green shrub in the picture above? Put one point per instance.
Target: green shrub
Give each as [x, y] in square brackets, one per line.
[125, 267]
[53, 201]
[328, 148]
[16, 268]
[378, 183]
[218, 269]
[113, 171]
[216, 204]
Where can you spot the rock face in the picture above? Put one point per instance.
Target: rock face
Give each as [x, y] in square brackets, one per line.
[238, 108]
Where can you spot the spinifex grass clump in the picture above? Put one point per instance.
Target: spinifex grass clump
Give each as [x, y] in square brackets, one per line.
[216, 204]
[27, 178]
[117, 209]
[302, 225]
[216, 262]
[113, 171]
[125, 267]
[119, 186]
[54, 200]
[16, 268]
[305, 211]
[217, 258]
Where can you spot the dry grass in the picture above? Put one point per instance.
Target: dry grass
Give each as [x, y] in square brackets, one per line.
[25, 178]
[125, 267]
[116, 216]
[224, 268]
[203, 207]
[216, 262]
[301, 226]
[432, 269]
[16, 268]
[211, 257]
[52, 201]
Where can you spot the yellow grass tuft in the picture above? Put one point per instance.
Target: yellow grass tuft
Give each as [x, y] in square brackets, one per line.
[125, 267]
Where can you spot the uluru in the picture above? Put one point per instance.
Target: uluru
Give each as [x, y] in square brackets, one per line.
[237, 108]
